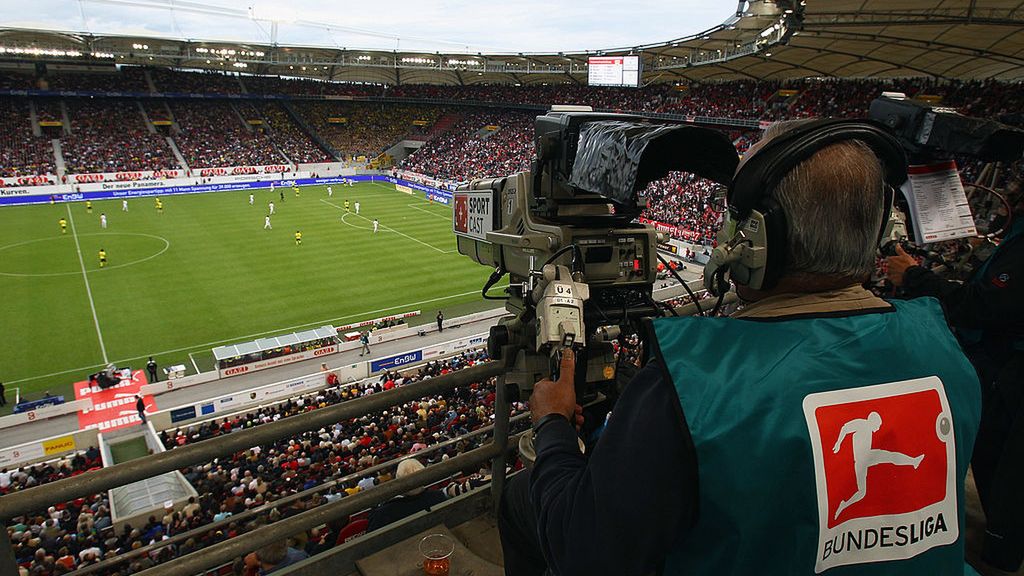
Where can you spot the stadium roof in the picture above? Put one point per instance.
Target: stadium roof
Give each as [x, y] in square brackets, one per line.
[946, 39]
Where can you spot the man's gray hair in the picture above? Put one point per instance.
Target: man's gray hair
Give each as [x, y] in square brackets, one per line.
[834, 203]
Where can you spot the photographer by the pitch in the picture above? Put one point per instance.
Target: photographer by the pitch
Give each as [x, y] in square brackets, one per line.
[706, 465]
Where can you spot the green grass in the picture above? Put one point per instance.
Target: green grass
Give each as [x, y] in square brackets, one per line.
[129, 450]
[205, 273]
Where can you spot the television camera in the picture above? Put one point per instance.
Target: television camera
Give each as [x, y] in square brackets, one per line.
[580, 270]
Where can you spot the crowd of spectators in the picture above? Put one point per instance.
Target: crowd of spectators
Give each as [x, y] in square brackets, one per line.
[126, 79]
[369, 129]
[304, 87]
[213, 135]
[77, 534]
[687, 202]
[290, 138]
[180, 82]
[93, 146]
[21, 152]
[485, 142]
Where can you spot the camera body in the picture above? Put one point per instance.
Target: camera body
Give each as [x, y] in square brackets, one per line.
[579, 267]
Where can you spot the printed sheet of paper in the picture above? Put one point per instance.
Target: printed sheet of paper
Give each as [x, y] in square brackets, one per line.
[938, 204]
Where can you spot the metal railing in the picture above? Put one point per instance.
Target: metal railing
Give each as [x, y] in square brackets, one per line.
[41, 497]
[266, 508]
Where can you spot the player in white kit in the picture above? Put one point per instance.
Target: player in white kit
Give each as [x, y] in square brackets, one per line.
[271, 207]
[375, 225]
[251, 199]
[103, 220]
[124, 205]
[330, 192]
[357, 207]
[266, 224]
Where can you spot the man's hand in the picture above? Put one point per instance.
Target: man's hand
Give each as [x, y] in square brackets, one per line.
[558, 397]
[898, 265]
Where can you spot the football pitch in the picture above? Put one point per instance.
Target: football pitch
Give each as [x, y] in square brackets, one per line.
[204, 272]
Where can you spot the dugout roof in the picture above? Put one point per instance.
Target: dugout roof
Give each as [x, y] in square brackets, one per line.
[946, 39]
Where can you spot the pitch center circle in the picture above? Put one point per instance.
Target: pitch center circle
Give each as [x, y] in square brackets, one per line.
[90, 259]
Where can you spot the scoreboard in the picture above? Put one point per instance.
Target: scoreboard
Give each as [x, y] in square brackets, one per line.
[613, 71]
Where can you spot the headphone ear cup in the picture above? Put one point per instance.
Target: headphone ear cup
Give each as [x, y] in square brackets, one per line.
[888, 198]
[775, 234]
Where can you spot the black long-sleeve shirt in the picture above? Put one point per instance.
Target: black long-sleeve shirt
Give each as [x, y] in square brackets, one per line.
[992, 301]
[991, 305]
[622, 511]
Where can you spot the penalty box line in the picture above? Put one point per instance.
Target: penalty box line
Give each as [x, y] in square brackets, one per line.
[418, 241]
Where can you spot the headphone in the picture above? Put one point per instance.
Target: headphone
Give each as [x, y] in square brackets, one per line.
[752, 242]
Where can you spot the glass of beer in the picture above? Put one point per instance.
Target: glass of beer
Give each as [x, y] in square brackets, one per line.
[437, 551]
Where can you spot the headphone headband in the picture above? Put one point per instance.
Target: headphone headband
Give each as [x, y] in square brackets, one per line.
[755, 183]
[752, 191]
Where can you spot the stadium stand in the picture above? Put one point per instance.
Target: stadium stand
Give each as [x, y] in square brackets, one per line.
[484, 142]
[212, 135]
[21, 152]
[290, 138]
[369, 129]
[80, 533]
[127, 79]
[685, 201]
[303, 87]
[174, 81]
[94, 147]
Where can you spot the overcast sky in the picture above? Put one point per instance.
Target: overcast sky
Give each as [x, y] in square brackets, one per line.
[433, 25]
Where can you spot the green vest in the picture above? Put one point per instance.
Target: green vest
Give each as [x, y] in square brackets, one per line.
[828, 443]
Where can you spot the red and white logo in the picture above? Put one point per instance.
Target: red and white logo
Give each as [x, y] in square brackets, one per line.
[461, 212]
[885, 471]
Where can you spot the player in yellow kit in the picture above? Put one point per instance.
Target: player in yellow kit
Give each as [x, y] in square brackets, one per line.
[298, 238]
[346, 205]
[296, 188]
[88, 206]
[63, 226]
[103, 258]
[159, 206]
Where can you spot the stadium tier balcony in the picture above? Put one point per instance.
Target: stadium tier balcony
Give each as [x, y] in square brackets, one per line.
[17, 81]
[305, 87]
[21, 152]
[127, 79]
[110, 135]
[483, 143]
[175, 81]
[213, 135]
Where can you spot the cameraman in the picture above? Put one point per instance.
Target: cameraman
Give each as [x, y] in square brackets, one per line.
[987, 313]
[707, 464]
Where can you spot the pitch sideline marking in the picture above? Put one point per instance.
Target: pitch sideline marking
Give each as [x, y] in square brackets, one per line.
[250, 336]
[266, 332]
[88, 290]
[386, 228]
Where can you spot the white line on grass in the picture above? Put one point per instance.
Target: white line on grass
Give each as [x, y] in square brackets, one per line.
[250, 336]
[193, 362]
[88, 290]
[391, 229]
[445, 218]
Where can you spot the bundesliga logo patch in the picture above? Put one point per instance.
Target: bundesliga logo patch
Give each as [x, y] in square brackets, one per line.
[885, 471]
